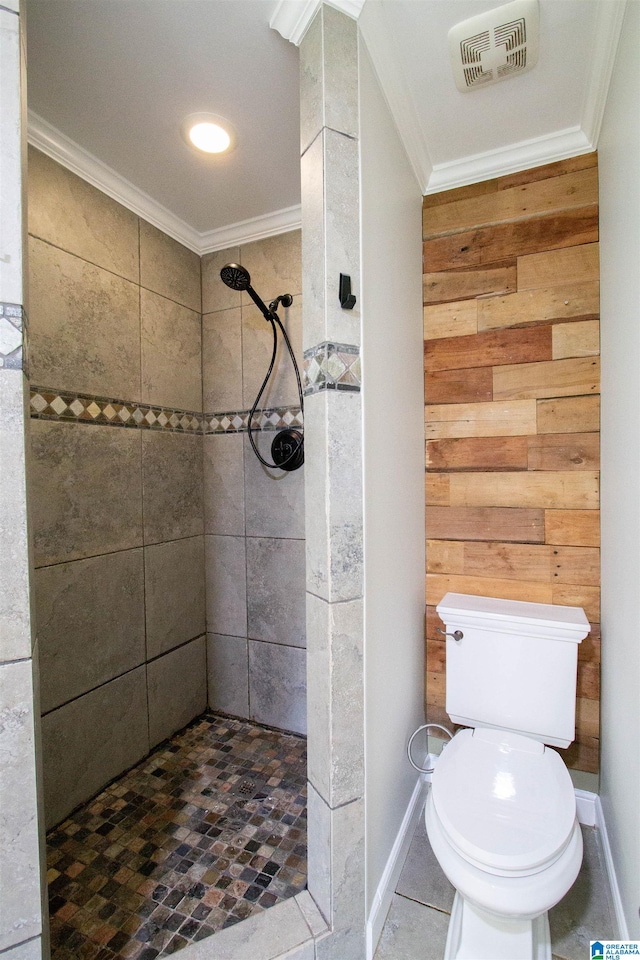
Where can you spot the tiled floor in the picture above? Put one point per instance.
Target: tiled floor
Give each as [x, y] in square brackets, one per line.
[416, 926]
[208, 830]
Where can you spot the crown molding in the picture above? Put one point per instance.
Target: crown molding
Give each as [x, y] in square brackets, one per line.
[292, 18]
[511, 159]
[248, 231]
[379, 42]
[69, 154]
[608, 30]
[570, 142]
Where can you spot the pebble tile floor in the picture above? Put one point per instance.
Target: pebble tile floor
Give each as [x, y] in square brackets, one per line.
[208, 830]
[416, 925]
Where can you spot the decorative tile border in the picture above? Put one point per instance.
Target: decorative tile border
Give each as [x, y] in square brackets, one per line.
[49, 404]
[278, 418]
[13, 337]
[332, 366]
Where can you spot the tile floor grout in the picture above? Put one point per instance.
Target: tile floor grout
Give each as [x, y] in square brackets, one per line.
[210, 828]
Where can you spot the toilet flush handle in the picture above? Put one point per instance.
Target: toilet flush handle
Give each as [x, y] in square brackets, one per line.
[457, 634]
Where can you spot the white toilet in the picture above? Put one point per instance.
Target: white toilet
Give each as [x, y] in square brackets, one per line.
[501, 811]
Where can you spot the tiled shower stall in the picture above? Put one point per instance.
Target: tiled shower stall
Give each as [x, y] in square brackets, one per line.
[169, 562]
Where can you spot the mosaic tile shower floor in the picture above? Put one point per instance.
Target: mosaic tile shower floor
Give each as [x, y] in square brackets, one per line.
[208, 830]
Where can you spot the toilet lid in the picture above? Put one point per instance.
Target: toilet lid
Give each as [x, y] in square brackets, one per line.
[505, 801]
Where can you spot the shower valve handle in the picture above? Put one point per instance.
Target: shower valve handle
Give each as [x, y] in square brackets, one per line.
[457, 634]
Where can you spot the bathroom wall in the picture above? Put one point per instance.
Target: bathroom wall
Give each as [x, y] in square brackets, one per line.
[511, 360]
[116, 498]
[254, 516]
[393, 459]
[618, 152]
[23, 885]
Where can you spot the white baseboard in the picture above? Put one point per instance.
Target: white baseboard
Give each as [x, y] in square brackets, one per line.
[586, 807]
[389, 878]
[623, 930]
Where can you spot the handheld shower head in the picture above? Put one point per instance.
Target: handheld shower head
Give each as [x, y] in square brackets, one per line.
[235, 276]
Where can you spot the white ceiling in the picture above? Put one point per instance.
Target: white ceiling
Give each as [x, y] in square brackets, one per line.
[110, 82]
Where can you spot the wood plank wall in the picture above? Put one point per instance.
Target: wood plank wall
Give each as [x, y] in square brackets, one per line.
[511, 358]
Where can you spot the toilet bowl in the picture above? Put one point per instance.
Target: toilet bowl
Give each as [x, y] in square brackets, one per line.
[501, 819]
[501, 810]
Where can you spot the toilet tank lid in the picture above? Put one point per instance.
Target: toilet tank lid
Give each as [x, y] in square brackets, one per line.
[514, 616]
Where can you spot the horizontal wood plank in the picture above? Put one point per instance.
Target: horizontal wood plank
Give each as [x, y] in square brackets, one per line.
[509, 561]
[580, 339]
[445, 556]
[574, 264]
[572, 527]
[480, 453]
[459, 386]
[513, 418]
[576, 565]
[435, 689]
[565, 302]
[437, 585]
[433, 622]
[587, 717]
[569, 415]
[436, 489]
[583, 754]
[489, 349]
[551, 490]
[524, 201]
[436, 655]
[555, 169]
[445, 285]
[589, 649]
[588, 680]
[491, 244]
[555, 378]
[564, 451]
[485, 523]
[576, 595]
[456, 319]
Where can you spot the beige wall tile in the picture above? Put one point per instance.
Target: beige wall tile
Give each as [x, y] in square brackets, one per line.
[84, 326]
[224, 496]
[91, 740]
[70, 213]
[172, 485]
[169, 268]
[274, 499]
[215, 294]
[171, 357]
[257, 347]
[86, 496]
[174, 593]
[177, 689]
[15, 605]
[226, 571]
[90, 623]
[19, 857]
[276, 590]
[228, 674]
[275, 265]
[222, 361]
[277, 686]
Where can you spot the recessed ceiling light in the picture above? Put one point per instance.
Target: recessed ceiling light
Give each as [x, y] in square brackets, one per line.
[209, 133]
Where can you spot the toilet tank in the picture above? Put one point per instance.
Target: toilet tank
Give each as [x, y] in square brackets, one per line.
[515, 666]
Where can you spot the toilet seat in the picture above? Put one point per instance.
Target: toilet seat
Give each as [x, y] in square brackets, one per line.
[505, 802]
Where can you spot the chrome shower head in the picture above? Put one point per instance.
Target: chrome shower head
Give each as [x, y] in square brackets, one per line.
[235, 276]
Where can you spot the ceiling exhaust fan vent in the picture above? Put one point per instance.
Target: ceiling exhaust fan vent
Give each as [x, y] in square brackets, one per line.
[495, 45]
